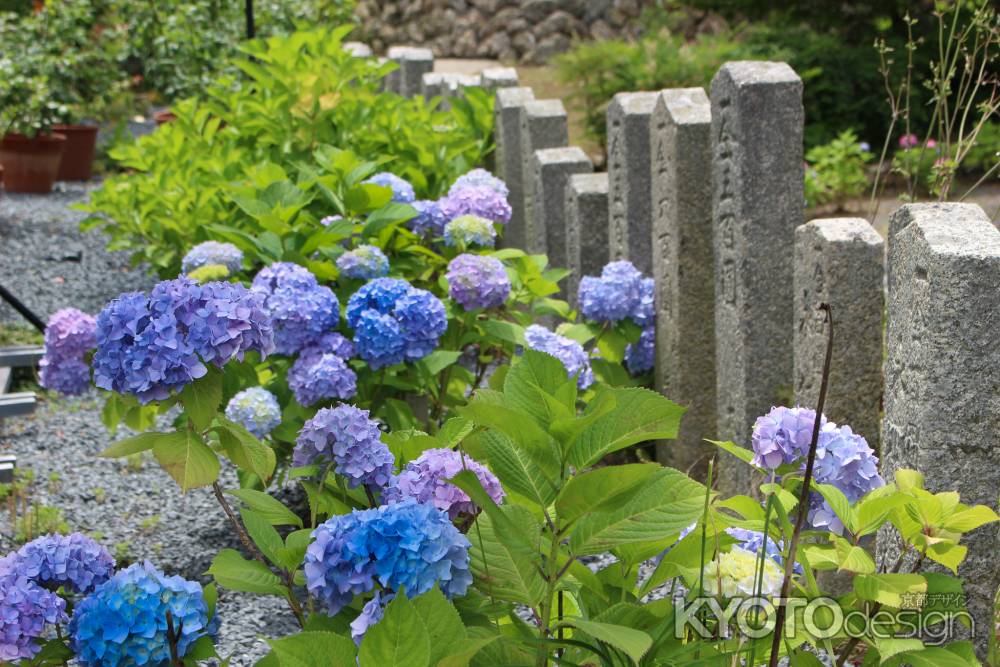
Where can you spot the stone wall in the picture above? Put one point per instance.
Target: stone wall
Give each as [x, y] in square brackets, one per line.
[527, 31]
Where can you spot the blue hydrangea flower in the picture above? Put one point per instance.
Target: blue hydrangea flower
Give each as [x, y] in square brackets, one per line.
[394, 321]
[330, 219]
[363, 263]
[429, 221]
[426, 480]
[149, 346]
[476, 281]
[407, 544]
[347, 437]
[370, 614]
[753, 541]
[69, 336]
[124, 621]
[644, 313]
[26, 612]
[301, 309]
[317, 377]
[640, 357]
[331, 343]
[74, 561]
[213, 253]
[256, 409]
[569, 352]
[480, 201]
[844, 460]
[612, 297]
[470, 230]
[402, 191]
[782, 436]
[480, 178]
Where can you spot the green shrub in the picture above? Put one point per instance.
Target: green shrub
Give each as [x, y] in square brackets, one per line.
[985, 153]
[836, 171]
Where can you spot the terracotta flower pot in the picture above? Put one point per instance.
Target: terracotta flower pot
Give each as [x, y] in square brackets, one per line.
[31, 165]
[164, 116]
[78, 159]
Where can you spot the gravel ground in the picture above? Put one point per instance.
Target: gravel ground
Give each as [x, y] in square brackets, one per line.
[48, 263]
[139, 507]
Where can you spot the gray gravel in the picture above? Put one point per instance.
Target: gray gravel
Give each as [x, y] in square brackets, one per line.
[138, 506]
[48, 263]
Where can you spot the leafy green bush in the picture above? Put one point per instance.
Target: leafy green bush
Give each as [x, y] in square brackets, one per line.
[243, 140]
[836, 171]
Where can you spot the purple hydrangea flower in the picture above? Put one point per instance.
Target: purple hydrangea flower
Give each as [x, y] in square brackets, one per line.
[476, 281]
[612, 297]
[429, 221]
[470, 230]
[480, 178]
[640, 357]
[426, 479]
[782, 436]
[26, 612]
[69, 377]
[844, 460]
[370, 614]
[301, 309]
[407, 544]
[402, 191]
[363, 263]
[644, 314]
[124, 621]
[256, 409]
[74, 561]
[480, 201]
[394, 321]
[317, 377]
[213, 253]
[331, 343]
[149, 346]
[69, 336]
[347, 437]
[569, 352]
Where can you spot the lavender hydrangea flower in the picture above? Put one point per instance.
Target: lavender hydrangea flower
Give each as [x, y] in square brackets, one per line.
[480, 201]
[74, 561]
[644, 314]
[69, 336]
[317, 377]
[426, 479]
[470, 230]
[569, 352]
[844, 460]
[301, 309]
[480, 178]
[394, 321]
[330, 219]
[69, 377]
[363, 263]
[613, 296]
[347, 437]
[407, 544]
[149, 346]
[476, 281]
[370, 614]
[256, 409]
[753, 541]
[124, 621]
[26, 611]
[213, 253]
[640, 356]
[402, 191]
[782, 436]
[331, 343]
[429, 221]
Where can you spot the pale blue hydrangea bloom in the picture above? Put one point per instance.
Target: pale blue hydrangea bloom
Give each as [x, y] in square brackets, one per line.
[477, 281]
[402, 191]
[370, 614]
[213, 253]
[256, 409]
[470, 230]
[480, 178]
[641, 356]
[429, 221]
[328, 220]
[480, 201]
[568, 351]
[363, 263]
[613, 296]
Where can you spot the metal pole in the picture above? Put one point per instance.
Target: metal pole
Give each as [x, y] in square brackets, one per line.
[250, 27]
[35, 320]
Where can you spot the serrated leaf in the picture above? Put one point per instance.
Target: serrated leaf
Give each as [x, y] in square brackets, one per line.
[234, 572]
[267, 507]
[313, 649]
[201, 399]
[399, 639]
[889, 589]
[602, 490]
[969, 519]
[516, 470]
[245, 450]
[136, 444]
[186, 457]
[263, 534]
[444, 625]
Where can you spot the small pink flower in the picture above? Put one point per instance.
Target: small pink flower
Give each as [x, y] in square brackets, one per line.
[940, 162]
[931, 143]
[908, 141]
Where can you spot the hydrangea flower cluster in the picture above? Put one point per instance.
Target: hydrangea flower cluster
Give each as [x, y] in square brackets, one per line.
[753, 541]
[782, 436]
[640, 356]
[402, 191]
[26, 611]
[734, 573]
[619, 293]
[429, 221]
[317, 376]
[69, 336]
[148, 346]
[301, 309]
[330, 219]
[407, 544]
[394, 322]
[426, 480]
[363, 263]
[469, 230]
[74, 561]
[213, 253]
[256, 409]
[353, 442]
[476, 281]
[478, 178]
[371, 613]
[481, 201]
[569, 352]
[124, 621]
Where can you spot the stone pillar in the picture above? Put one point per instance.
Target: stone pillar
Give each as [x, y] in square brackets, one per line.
[630, 215]
[684, 270]
[942, 393]
[447, 85]
[543, 125]
[495, 78]
[507, 160]
[840, 261]
[413, 63]
[551, 169]
[358, 49]
[586, 229]
[757, 203]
